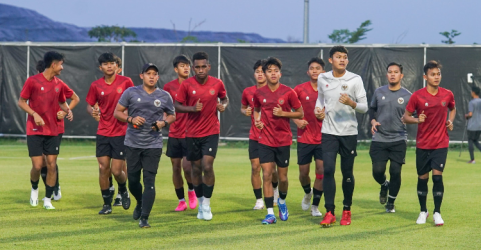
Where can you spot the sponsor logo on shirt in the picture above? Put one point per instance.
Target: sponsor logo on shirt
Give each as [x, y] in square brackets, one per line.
[264, 101]
[119, 90]
[138, 99]
[252, 99]
[344, 87]
[56, 89]
[193, 92]
[307, 98]
[281, 101]
[102, 93]
[41, 88]
[383, 97]
[426, 104]
[400, 100]
[157, 103]
[212, 91]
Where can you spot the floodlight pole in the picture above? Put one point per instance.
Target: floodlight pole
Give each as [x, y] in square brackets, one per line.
[306, 21]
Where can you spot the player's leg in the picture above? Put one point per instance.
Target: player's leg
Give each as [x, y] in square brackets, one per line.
[282, 156]
[305, 152]
[117, 166]
[317, 190]
[256, 180]
[397, 155]
[330, 148]
[50, 150]
[423, 168]
[348, 152]
[104, 174]
[134, 170]
[194, 155]
[379, 156]
[438, 163]
[43, 171]
[209, 145]
[35, 152]
[57, 193]
[275, 185]
[187, 167]
[150, 159]
[174, 152]
[267, 161]
[472, 142]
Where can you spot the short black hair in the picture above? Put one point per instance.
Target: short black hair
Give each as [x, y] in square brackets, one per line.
[259, 63]
[40, 66]
[52, 56]
[200, 56]
[431, 65]
[476, 90]
[272, 61]
[395, 64]
[181, 59]
[107, 57]
[118, 60]
[335, 49]
[316, 60]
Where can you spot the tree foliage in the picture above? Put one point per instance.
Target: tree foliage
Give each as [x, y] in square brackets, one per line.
[114, 33]
[347, 36]
[450, 36]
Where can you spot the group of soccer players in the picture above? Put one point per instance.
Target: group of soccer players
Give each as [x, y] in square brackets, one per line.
[131, 118]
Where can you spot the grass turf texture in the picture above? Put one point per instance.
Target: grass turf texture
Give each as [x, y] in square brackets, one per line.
[75, 223]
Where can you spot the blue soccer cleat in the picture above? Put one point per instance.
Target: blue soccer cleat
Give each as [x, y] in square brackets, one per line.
[270, 219]
[283, 213]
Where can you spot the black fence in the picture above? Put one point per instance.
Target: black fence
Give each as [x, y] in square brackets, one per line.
[233, 64]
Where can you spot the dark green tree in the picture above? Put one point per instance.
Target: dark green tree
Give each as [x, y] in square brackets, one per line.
[114, 33]
[450, 36]
[347, 36]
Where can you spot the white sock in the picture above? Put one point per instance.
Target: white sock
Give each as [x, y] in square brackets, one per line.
[183, 199]
[190, 190]
[259, 200]
[206, 202]
[119, 196]
[270, 211]
[385, 182]
[282, 201]
[47, 200]
[200, 200]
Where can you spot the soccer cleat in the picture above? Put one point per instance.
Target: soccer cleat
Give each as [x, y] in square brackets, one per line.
[181, 207]
[389, 208]
[383, 193]
[34, 198]
[118, 200]
[438, 221]
[137, 212]
[328, 220]
[315, 211]
[306, 202]
[259, 204]
[200, 214]
[47, 204]
[144, 223]
[472, 162]
[106, 209]
[276, 195]
[57, 195]
[206, 212]
[192, 199]
[346, 218]
[422, 218]
[270, 219]
[125, 200]
[283, 212]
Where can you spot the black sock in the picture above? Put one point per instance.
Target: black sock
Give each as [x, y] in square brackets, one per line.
[110, 181]
[258, 193]
[190, 185]
[317, 197]
[208, 190]
[282, 195]
[56, 183]
[106, 196]
[275, 184]
[307, 188]
[438, 191]
[346, 208]
[199, 190]
[422, 193]
[48, 191]
[43, 174]
[144, 217]
[122, 187]
[269, 202]
[180, 193]
[35, 184]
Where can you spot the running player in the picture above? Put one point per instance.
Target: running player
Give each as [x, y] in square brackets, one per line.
[176, 145]
[432, 140]
[44, 92]
[146, 105]
[341, 94]
[275, 101]
[246, 109]
[389, 134]
[198, 96]
[474, 122]
[309, 138]
[110, 149]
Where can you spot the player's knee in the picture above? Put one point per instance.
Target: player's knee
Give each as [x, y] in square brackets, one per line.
[267, 176]
[437, 179]
[149, 179]
[176, 170]
[395, 170]
[256, 170]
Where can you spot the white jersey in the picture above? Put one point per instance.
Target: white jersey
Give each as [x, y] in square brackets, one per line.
[340, 119]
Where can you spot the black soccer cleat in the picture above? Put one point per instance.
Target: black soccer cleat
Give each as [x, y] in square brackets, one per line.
[126, 200]
[118, 202]
[383, 193]
[144, 223]
[137, 212]
[390, 208]
[106, 209]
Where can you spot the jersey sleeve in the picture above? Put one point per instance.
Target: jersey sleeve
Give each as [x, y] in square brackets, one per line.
[222, 92]
[67, 91]
[360, 92]
[182, 93]
[125, 98]
[244, 100]
[169, 107]
[471, 106]
[320, 97]
[411, 107]
[294, 100]
[257, 103]
[451, 103]
[26, 90]
[61, 96]
[91, 98]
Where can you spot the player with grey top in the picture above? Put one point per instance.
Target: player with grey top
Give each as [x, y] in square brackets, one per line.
[474, 122]
[146, 105]
[389, 134]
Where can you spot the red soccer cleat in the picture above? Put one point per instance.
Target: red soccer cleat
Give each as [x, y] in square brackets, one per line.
[328, 220]
[346, 218]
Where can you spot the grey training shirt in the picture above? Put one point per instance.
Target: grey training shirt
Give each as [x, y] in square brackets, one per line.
[149, 106]
[474, 123]
[390, 107]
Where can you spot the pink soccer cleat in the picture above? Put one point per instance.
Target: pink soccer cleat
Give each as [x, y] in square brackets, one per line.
[181, 207]
[192, 199]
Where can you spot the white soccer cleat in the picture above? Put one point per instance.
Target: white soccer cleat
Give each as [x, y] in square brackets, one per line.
[422, 218]
[276, 195]
[47, 204]
[306, 202]
[438, 221]
[259, 204]
[34, 198]
[200, 214]
[315, 211]
[58, 195]
[206, 212]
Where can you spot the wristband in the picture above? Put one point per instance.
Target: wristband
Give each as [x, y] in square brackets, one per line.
[130, 120]
[166, 123]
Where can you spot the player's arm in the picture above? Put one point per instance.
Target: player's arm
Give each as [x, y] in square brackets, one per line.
[470, 109]
[22, 103]
[360, 105]
[409, 119]
[320, 109]
[74, 100]
[180, 108]
[449, 122]
[257, 118]
[296, 114]
[222, 104]
[64, 106]
[246, 110]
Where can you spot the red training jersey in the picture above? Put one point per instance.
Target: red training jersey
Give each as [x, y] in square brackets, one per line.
[277, 130]
[68, 94]
[248, 100]
[176, 129]
[311, 134]
[432, 133]
[43, 96]
[107, 96]
[205, 122]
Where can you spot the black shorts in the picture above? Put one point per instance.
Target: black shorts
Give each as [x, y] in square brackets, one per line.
[39, 145]
[473, 135]
[427, 159]
[142, 158]
[344, 145]
[253, 149]
[279, 155]
[112, 147]
[198, 147]
[305, 152]
[176, 148]
[384, 151]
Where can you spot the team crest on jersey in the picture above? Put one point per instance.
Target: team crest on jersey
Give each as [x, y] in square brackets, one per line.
[344, 87]
[119, 90]
[102, 93]
[212, 91]
[157, 103]
[400, 100]
[426, 104]
[56, 90]
[41, 88]
[281, 101]
[444, 103]
[193, 92]
[327, 85]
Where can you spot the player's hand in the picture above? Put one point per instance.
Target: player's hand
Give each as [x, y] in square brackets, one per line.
[278, 111]
[374, 123]
[220, 107]
[259, 124]
[422, 117]
[320, 113]
[61, 114]
[38, 119]
[301, 123]
[138, 121]
[248, 111]
[449, 125]
[160, 125]
[95, 112]
[70, 115]
[97, 118]
[344, 99]
[198, 106]
[466, 116]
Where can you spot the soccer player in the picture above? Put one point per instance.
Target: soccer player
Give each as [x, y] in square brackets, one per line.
[309, 138]
[110, 149]
[198, 96]
[341, 95]
[176, 145]
[275, 101]
[146, 105]
[389, 135]
[474, 122]
[247, 104]
[432, 140]
[44, 93]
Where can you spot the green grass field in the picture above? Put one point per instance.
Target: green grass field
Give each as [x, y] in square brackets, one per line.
[75, 223]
